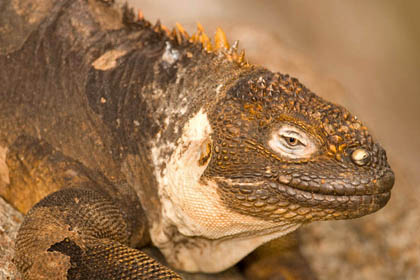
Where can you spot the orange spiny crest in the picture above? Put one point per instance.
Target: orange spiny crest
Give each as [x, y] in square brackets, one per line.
[220, 40]
[166, 29]
[182, 30]
[140, 15]
[220, 44]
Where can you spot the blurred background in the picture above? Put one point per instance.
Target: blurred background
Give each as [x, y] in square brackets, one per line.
[364, 55]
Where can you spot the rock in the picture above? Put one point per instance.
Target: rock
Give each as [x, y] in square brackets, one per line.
[10, 220]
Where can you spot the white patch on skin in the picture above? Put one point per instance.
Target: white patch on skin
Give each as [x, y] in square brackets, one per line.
[4, 170]
[183, 110]
[167, 120]
[219, 88]
[108, 60]
[197, 233]
[170, 55]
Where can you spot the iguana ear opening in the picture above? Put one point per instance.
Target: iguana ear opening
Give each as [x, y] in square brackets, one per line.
[205, 152]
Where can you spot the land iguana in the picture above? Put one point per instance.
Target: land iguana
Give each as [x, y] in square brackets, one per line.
[116, 133]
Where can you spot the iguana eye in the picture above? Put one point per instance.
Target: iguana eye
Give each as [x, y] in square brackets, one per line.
[292, 142]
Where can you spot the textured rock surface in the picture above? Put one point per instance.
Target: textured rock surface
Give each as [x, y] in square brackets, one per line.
[10, 220]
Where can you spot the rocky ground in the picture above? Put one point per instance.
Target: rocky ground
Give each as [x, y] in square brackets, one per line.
[361, 54]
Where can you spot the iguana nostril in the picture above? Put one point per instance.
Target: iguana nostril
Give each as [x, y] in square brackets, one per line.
[360, 157]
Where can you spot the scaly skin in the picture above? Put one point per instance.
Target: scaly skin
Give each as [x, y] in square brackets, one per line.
[135, 135]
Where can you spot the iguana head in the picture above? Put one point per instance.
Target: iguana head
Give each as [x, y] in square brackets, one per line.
[280, 153]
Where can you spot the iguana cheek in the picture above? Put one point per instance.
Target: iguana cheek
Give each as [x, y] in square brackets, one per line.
[191, 202]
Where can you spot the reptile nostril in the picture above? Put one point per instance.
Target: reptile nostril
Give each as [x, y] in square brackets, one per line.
[360, 157]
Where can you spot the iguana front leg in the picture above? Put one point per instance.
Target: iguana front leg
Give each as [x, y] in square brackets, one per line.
[79, 231]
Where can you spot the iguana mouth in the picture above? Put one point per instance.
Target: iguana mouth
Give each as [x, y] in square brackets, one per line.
[339, 196]
[279, 198]
[336, 186]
